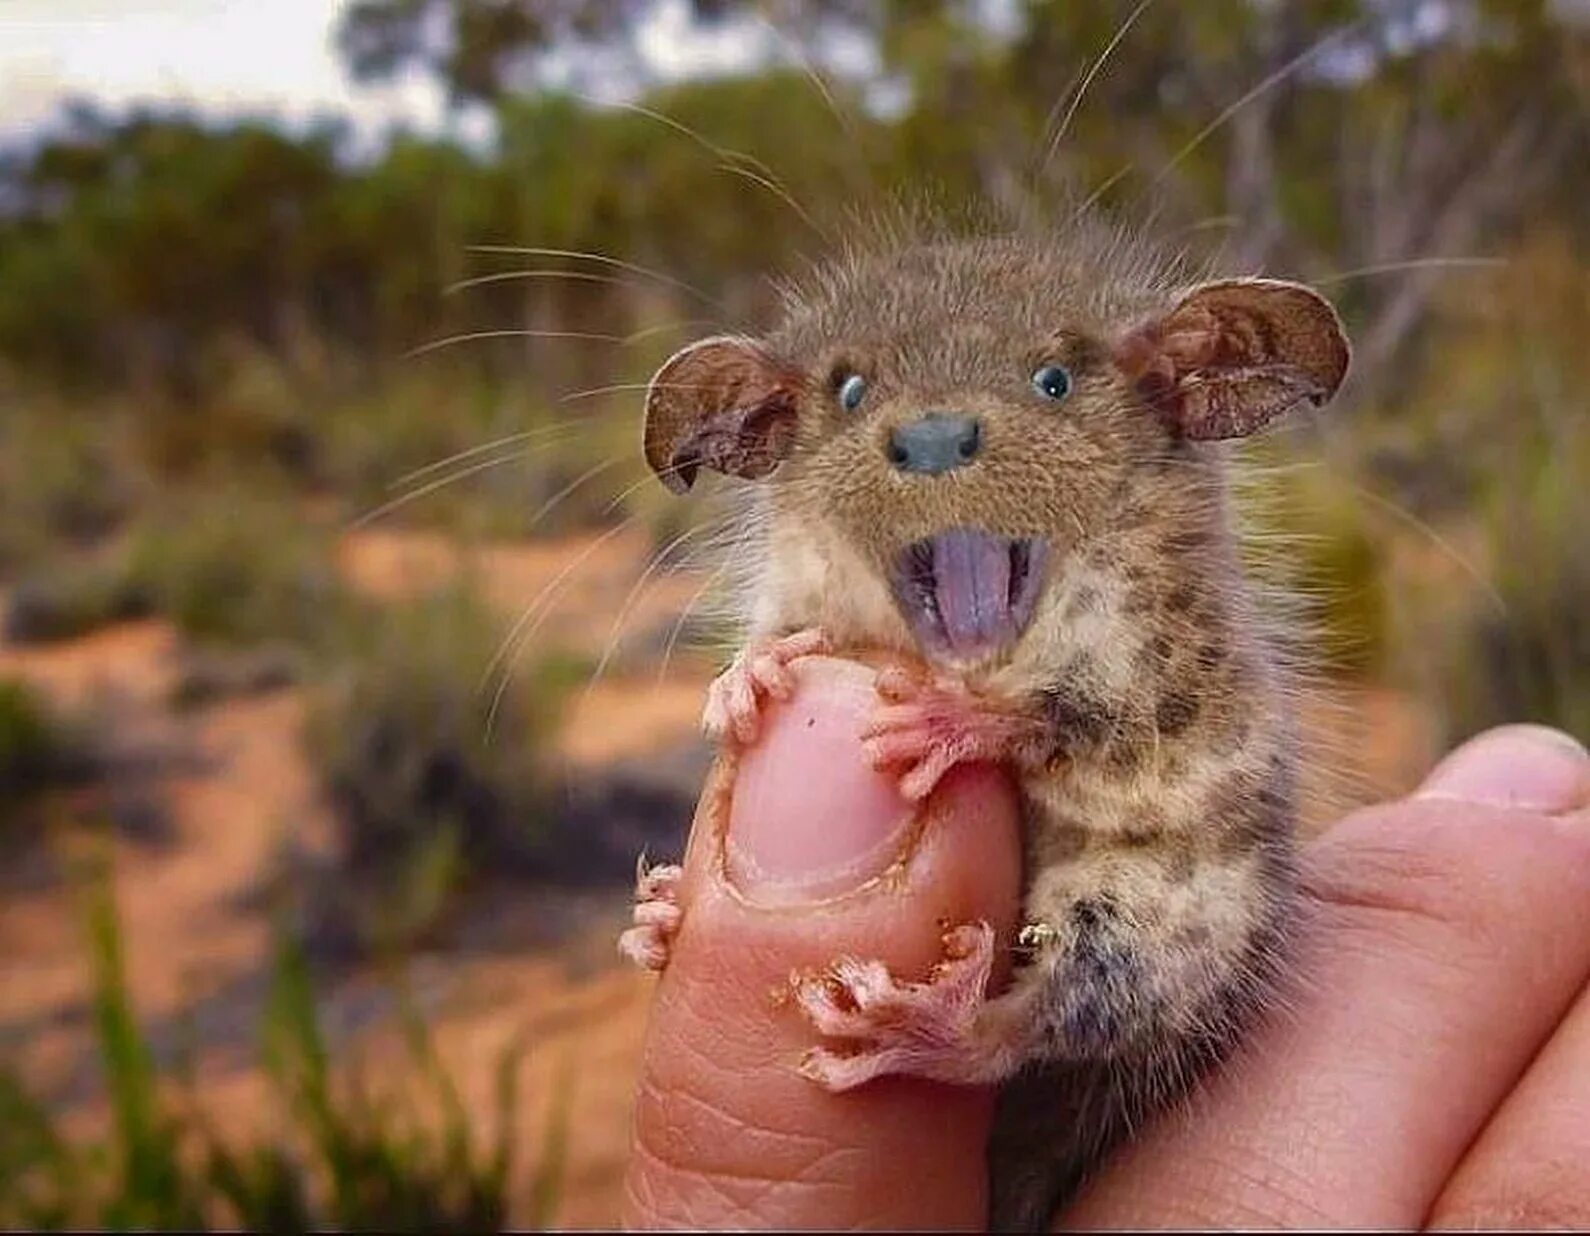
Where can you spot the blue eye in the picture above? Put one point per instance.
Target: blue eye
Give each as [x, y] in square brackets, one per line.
[852, 391]
[1052, 382]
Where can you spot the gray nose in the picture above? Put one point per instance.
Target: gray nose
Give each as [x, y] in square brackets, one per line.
[936, 443]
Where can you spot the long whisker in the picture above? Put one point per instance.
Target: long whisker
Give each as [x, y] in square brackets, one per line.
[386, 508]
[793, 46]
[855, 146]
[1093, 72]
[613, 635]
[778, 191]
[729, 160]
[1386, 268]
[1436, 539]
[684, 615]
[1269, 83]
[602, 259]
[508, 276]
[649, 331]
[614, 388]
[539, 607]
[477, 335]
[629, 489]
[1092, 199]
[483, 448]
[1214, 222]
[678, 126]
[589, 474]
[518, 635]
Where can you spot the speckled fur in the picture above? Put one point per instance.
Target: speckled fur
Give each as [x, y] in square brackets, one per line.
[1159, 776]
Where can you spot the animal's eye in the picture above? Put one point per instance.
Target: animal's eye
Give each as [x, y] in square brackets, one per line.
[1052, 382]
[852, 391]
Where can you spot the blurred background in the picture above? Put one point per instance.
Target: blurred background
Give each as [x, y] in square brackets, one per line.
[348, 655]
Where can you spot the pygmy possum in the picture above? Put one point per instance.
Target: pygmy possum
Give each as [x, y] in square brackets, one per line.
[1005, 458]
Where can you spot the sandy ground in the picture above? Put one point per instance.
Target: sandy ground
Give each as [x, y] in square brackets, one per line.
[234, 786]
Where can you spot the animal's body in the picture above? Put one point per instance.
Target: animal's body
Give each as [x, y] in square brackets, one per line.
[1003, 458]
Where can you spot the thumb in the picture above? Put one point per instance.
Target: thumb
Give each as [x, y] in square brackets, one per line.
[800, 854]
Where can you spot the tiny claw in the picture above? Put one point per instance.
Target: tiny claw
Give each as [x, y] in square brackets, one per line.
[896, 685]
[759, 673]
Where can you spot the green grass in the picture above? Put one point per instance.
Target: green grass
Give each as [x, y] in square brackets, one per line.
[348, 1159]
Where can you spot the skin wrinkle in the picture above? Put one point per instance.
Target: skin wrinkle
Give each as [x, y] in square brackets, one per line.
[723, 1181]
[1285, 1190]
[1426, 879]
[1526, 1166]
[705, 1076]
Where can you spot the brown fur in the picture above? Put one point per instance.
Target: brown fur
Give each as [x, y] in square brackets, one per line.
[1159, 778]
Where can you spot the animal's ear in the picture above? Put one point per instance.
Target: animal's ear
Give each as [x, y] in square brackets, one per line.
[724, 403]
[1232, 356]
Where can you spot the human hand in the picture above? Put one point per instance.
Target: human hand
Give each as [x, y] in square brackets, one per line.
[1432, 1067]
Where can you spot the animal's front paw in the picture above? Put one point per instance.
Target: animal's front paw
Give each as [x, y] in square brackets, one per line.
[926, 726]
[935, 1029]
[760, 672]
[657, 913]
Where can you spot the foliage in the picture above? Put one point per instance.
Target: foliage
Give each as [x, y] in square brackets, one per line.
[435, 776]
[144, 251]
[349, 1160]
[1521, 659]
[36, 747]
[70, 599]
[1499, 636]
[236, 567]
[233, 566]
[65, 475]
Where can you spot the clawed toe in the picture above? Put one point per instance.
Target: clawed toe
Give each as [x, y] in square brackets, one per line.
[759, 673]
[927, 1029]
[656, 916]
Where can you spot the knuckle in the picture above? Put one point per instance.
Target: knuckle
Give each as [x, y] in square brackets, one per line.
[1470, 873]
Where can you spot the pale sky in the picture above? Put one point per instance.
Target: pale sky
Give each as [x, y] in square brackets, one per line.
[252, 55]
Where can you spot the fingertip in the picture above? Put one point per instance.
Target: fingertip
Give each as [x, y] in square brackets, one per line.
[1525, 767]
[728, 1119]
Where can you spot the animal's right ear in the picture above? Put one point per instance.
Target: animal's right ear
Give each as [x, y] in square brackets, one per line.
[724, 403]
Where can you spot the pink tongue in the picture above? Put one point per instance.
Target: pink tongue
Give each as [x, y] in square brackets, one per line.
[971, 582]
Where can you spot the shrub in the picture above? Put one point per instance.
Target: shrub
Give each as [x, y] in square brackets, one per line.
[67, 476]
[37, 749]
[431, 776]
[237, 568]
[69, 599]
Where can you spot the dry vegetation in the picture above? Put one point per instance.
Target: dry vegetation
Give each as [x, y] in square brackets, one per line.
[344, 801]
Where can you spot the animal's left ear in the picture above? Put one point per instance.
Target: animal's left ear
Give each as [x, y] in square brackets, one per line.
[1232, 356]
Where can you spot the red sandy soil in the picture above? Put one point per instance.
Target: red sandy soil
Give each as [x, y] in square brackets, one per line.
[191, 932]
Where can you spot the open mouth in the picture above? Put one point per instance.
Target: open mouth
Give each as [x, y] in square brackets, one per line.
[968, 593]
